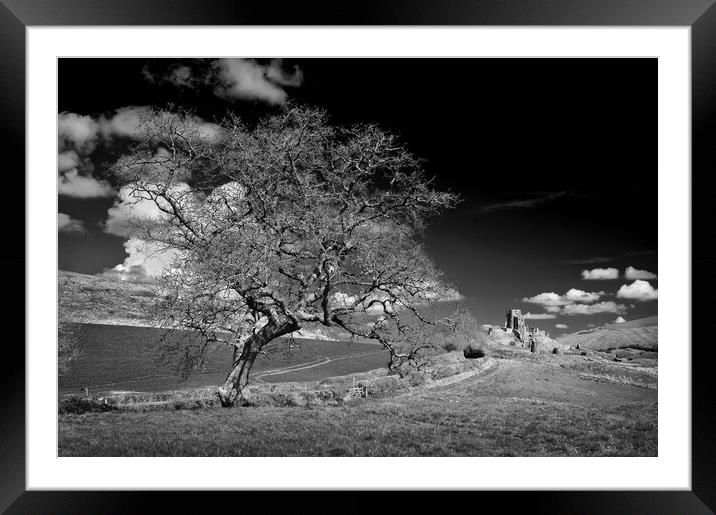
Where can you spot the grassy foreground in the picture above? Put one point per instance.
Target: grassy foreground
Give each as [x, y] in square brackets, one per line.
[518, 408]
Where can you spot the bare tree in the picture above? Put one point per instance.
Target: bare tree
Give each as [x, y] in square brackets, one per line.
[286, 222]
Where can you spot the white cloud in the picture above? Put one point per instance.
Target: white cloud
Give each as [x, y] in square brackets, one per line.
[552, 301]
[247, 80]
[124, 123]
[65, 223]
[575, 295]
[77, 131]
[278, 74]
[591, 325]
[561, 326]
[638, 290]
[539, 316]
[128, 208]
[232, 78]
[433, 291]
[593, 309]
[600, 274]
[547, 299]
[72, 184]
[619, 320]
[180, 76]
[632, 273]
[67, 161]
[144, 260]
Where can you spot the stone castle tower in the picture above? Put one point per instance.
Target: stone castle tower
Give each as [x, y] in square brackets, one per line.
[515, 321]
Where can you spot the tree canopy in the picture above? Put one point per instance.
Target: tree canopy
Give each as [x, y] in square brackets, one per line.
[283, 223]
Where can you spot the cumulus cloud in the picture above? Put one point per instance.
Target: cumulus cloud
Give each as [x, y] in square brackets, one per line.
[632, 273]
[77, 131]
[180, 76]
[619, 320]
[575, 295]
[79, 135]
[552, 301]
[128, 209]
[67, 161]
[600, 274]
[638, 290]
[126, 122]
[278, 73]
[434, 292]
[65, 223]
[539, 316]
[230, 78]
[561, 326]
[72, 184]
[82, 133]
[593, 309]
[244, 79]
[547, 299]
[144, 261]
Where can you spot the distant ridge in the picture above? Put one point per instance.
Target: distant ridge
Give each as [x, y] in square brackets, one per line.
[102, 299]
[636, 334]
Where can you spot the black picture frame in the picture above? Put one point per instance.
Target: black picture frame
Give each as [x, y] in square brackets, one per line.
[700, 15]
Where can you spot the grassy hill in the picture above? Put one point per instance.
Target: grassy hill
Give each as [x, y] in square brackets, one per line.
[97, 299]
[641, 334]
[104, 300]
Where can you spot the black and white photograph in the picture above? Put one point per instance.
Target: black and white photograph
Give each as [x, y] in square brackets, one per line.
[357, 257]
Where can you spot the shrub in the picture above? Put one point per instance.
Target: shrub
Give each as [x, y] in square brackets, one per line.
[450, 346]
[77, 405]
[474, 352]
[415, 378]
[386, 386]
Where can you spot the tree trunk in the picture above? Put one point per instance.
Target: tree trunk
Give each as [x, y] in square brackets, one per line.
[235, 386]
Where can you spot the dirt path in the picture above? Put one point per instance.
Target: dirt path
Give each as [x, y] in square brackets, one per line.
[258, 376]
[539, 383]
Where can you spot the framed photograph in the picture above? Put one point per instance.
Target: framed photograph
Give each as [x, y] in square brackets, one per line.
[428, 248]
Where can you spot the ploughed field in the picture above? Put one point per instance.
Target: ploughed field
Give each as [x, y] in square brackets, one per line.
[115, 357]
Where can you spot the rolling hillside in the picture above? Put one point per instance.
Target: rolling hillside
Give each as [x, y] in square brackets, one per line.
[641, 334]
[96, 299]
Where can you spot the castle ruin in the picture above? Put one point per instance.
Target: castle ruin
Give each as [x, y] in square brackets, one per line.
[515, 323]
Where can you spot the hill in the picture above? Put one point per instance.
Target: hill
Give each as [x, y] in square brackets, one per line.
[97, 299]
[641, 334]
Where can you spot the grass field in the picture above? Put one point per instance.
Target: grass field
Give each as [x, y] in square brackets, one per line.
[117, 357]
[641, 334]
[537, 406]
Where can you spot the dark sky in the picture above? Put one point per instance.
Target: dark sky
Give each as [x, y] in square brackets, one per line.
[556, 160]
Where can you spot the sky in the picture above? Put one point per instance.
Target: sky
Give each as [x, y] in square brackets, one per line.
[555, 160]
